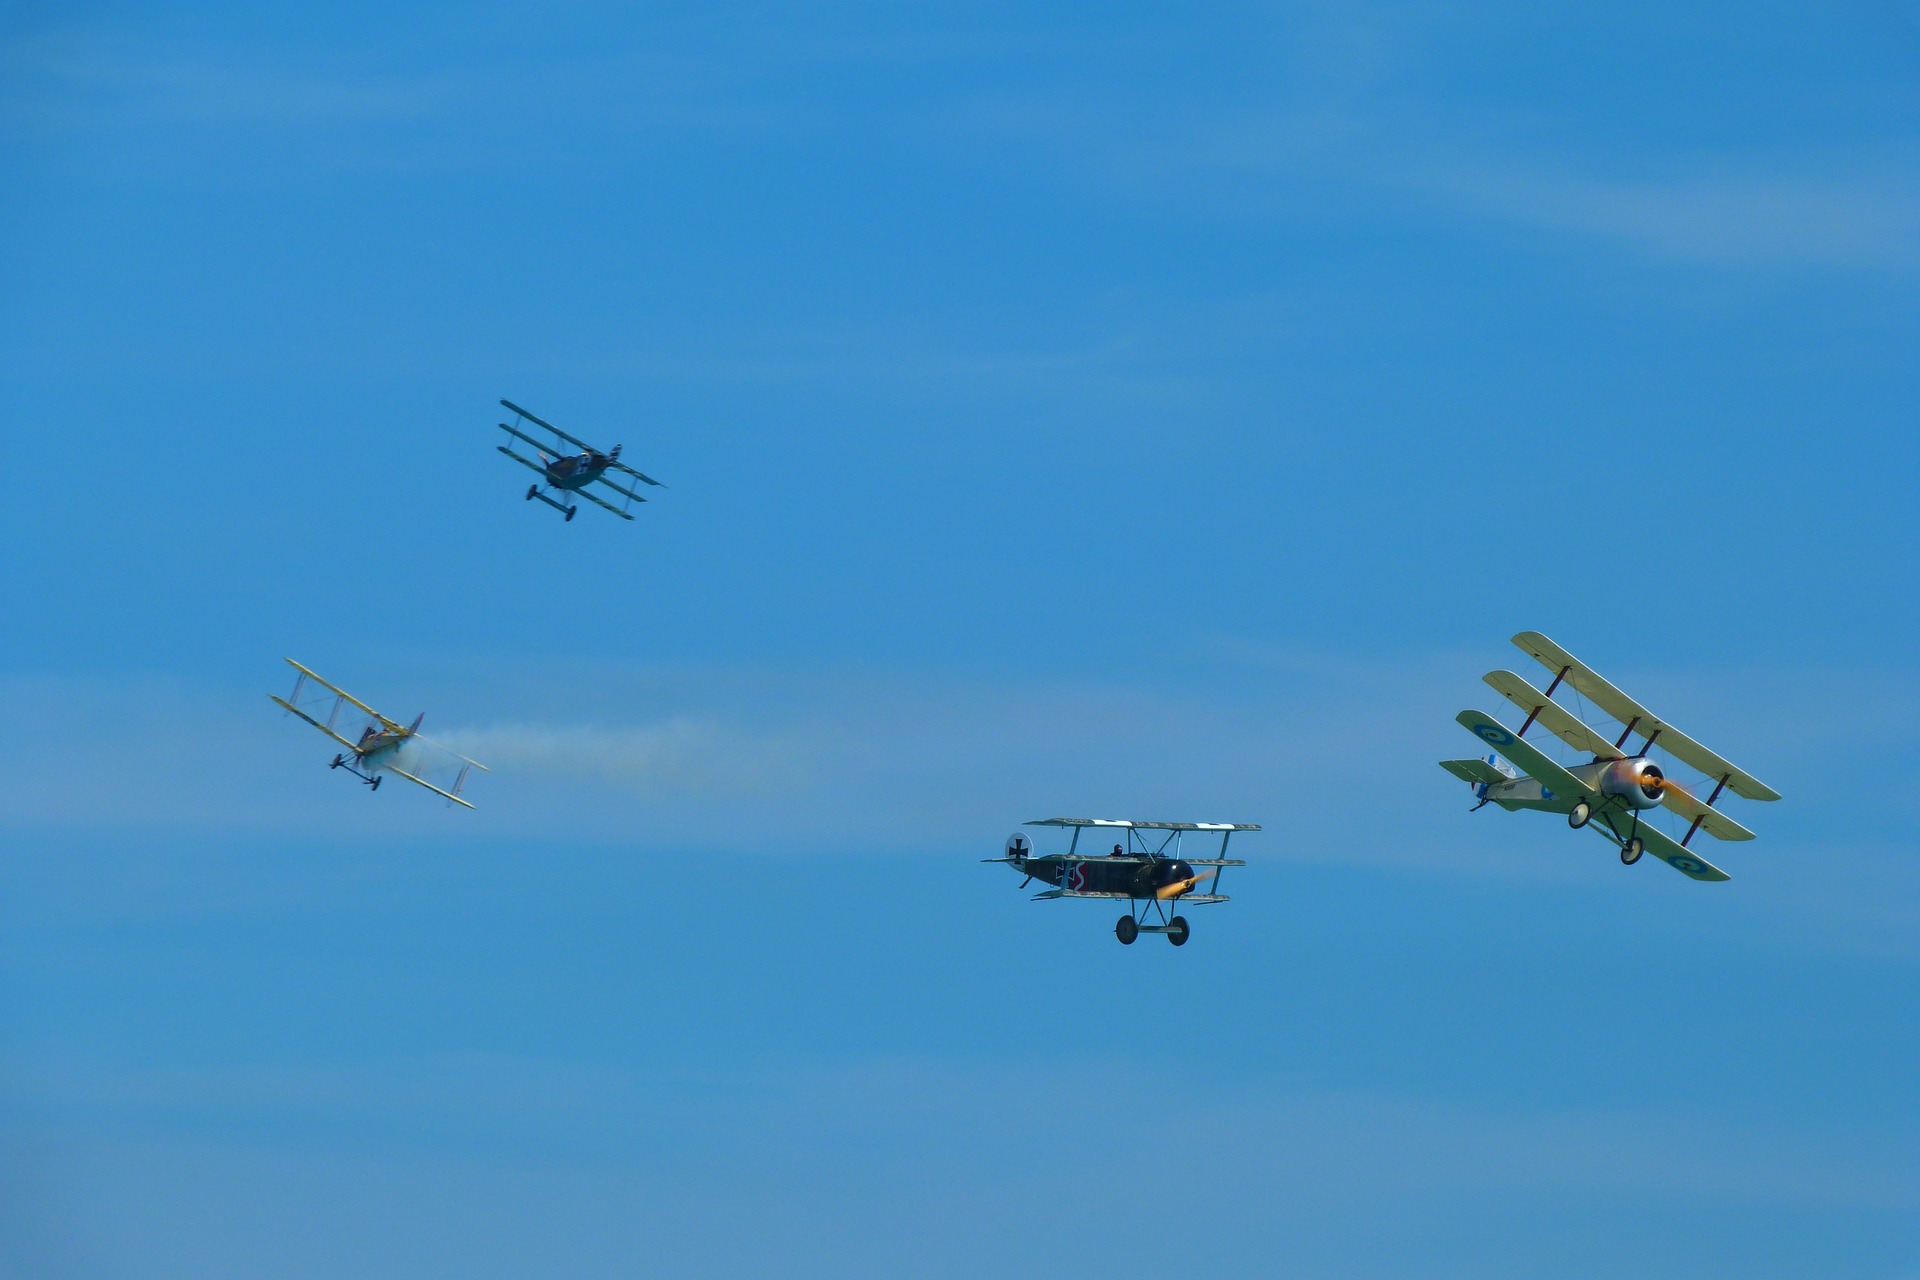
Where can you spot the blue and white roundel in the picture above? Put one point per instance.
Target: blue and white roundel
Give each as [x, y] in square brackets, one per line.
[1492, 733]
[1687, 865]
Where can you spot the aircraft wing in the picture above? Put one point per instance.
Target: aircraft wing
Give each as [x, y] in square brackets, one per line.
[1668, 850]
[392, 726]
[1186, 899]
[310, 720]
[543, 423]
[1523, 753]
[601, 502]
[429, 786]
[525, 462]
[1611, 700]
[619, 488]
[1559, 721]
[542, 445]
[638, 475]
[1711, 820]
[1144, 826]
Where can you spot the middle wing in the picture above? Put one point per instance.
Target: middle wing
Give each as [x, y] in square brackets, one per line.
[1559, 721]
[639, 475]
[619, 488]
[1523, 753]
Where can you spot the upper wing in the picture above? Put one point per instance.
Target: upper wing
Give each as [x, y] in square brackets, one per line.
[393, 726]
[1149, 826]
[1523, 753]
[310, 720]
[1630, 713]
[1664, 847]
[1559, 721]
[542, 422]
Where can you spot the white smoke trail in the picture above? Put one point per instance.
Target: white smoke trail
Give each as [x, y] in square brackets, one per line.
[678, 755]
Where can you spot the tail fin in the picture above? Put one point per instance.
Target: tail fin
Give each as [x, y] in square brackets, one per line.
[415, 726]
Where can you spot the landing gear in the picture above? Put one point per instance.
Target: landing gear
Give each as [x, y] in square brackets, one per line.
[1580, 815]
[1132, 925]
[533, 491]
[1630, 851]
[337, 762]
[375, 783]
[570, 511]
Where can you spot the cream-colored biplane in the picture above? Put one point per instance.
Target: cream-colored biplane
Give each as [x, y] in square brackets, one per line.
[1615, 792]
[382, 745]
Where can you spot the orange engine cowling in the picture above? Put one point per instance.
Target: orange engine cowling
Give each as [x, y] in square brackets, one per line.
[1639, 782]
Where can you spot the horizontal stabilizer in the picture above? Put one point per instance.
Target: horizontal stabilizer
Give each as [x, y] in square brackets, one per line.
[1556, 719]
[1557, 781]
[1611, 700]
[1476, 771]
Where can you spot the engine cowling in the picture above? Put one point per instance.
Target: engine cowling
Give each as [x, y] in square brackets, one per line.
[1639, 782]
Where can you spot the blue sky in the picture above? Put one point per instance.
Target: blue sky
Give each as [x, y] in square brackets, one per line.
[1168, 412]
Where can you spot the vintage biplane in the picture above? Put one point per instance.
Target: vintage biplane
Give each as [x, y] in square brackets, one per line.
[382, 745]
[566, 472]
[1616, 791]
[1145, 869]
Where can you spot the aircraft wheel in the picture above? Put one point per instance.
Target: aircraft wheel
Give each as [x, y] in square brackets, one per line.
[1178, 931]
[1630, 851]
[570, 511]
[337, 762]
[1127, 930]
[1581, 813]
[375, 784]
[533, 491]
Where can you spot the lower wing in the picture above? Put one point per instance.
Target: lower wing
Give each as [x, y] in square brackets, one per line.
[315, 723]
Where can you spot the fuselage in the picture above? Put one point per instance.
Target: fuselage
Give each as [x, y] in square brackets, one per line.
[1632, 783]
[1141, 877]
[577, 471]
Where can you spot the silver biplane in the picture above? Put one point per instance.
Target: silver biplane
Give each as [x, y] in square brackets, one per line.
[565, 472]
[1149, 875]
[1616, 791]
[382, 745]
